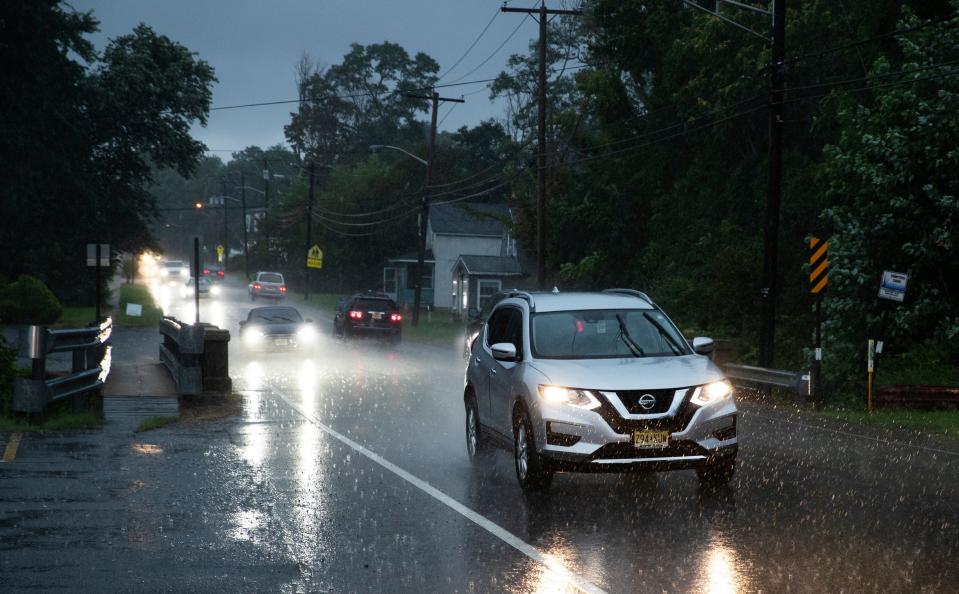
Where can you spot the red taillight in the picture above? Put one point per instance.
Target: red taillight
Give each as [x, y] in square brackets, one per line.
[356, 315]
[257, 286]
[396, 318]
[206, 271]
[282, 289]
[220, 273]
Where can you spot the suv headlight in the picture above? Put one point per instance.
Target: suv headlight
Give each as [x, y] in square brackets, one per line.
[570, 396]
[253, 336]
[714, 392]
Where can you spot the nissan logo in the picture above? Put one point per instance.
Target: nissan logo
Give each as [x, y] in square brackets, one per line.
[647, 401]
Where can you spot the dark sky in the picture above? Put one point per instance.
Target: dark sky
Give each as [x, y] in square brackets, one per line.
[253, 45]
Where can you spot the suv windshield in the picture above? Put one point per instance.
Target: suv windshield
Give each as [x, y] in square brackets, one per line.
[595, 334]
[277, 314]
[270, 277]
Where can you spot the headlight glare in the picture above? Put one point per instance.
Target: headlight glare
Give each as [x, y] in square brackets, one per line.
[712, 392]
[306, 334]
[570, 396]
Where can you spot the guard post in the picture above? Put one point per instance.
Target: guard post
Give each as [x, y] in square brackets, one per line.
[818, 279]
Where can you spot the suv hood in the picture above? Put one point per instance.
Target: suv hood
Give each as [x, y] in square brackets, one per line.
[634, 373]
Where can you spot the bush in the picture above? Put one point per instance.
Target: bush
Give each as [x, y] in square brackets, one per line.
[8, 371]
[28, 301]
[138, 294]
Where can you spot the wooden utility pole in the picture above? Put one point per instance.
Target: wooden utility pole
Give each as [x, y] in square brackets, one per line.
[246, 239]
[543, 13]
[770, 285]
[266, 208]
[435, 98]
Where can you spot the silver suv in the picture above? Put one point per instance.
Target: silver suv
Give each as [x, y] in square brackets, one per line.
[596, 382]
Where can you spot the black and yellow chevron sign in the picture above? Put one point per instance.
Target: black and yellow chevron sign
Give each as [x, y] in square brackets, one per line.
[818, 265]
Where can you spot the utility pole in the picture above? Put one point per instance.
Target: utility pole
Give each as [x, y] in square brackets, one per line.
[246, 240]
[769, 291]
[543, 13]
[435, 98]
[266, 208]
[309, 232]
[226, 244]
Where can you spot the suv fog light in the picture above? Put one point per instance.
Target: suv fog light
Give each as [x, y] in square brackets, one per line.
[558, 438]
[570, 396]
[714, 392]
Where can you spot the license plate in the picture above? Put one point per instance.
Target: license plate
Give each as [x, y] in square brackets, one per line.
[281, 342]
[650, 439]
[377, 315]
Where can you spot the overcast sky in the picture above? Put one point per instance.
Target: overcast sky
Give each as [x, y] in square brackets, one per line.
[253, 45]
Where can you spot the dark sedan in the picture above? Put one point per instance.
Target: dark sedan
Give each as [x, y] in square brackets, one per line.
[368, 314]
[277, 329]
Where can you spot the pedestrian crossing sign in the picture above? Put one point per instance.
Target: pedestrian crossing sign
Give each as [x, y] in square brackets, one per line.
[314, 257]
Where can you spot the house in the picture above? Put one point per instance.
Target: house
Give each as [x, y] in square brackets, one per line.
[471, 254]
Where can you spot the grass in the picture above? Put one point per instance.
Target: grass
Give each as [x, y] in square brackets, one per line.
[945, 422]
[138, 294]
[77, 317]
[441, 330]
[325, 302]
[155, 423]
[56, 421]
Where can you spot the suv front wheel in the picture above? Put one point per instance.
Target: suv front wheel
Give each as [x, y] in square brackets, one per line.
[531, 470]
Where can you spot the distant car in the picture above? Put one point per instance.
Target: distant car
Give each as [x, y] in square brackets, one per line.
[174, 271]
[206, 287]
[368, 314]
[277, 328]
[268, 284]
[214, 272]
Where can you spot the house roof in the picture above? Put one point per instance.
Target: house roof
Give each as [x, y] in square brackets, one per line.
[413, 257]
[484, 220]
[492, 265]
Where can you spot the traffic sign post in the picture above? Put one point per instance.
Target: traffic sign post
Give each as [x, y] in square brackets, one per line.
[98, 256]
[892, 291]
[219, 253]
[314, 257]
[818, 279]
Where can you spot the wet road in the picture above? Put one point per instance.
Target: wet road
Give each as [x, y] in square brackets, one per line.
[347, 471]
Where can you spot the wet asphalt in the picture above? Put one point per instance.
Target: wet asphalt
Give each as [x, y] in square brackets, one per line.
[347, 472]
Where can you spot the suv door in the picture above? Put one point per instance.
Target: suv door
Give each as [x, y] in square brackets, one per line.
[482, 362]
[503, 374]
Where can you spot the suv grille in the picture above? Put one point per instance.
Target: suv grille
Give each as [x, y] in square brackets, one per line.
[672, 424]
[631, 400]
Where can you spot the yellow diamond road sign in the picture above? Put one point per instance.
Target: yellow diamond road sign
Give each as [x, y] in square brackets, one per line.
[314, 257]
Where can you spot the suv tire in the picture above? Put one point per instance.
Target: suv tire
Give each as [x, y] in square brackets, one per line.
[476, 445]
[531, 470]
[717, 473]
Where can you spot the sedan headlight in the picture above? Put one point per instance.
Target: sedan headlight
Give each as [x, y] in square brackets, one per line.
[714, 392]
[570, 396]
[252, 336]
[214, 290]
[306, 334]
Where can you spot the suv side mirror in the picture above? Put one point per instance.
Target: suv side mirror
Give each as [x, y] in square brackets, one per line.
[504, 351]
[472, 313]
[703, 345]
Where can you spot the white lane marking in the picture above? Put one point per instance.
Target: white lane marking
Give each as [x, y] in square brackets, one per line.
[901, 444]
[506, 536]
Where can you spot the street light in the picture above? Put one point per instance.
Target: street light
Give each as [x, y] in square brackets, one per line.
[374, 147]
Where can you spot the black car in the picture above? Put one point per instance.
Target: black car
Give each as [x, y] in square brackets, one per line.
[368, 314]
[277, 329]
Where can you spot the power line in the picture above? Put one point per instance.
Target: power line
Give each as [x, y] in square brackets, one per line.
[495, 51]
[470, 48]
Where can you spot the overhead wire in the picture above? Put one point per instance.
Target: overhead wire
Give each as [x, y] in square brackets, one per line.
[470, 48]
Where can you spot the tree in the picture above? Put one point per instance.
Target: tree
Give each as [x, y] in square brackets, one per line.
[80, 132]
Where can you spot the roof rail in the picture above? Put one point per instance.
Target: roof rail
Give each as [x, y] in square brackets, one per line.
[522, 295]
[632, 293]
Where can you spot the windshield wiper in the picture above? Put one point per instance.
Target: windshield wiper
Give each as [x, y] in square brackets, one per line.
[624, 334]
[282, 318]
[662, 332]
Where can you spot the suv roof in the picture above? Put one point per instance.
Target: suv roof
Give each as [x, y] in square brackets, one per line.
[618, 299]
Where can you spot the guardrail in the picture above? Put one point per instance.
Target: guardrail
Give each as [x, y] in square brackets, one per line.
[196, 356]
[747, 376]
[89, 368]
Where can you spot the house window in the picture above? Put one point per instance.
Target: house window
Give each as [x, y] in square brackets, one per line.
[427, 276]
[389, 280]
[486, 289]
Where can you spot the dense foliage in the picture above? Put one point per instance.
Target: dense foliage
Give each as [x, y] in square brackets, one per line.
[28, 301]
[78, 133]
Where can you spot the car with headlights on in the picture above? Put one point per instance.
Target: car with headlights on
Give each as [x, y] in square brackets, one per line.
[277, 328]
[174, 271]
[597, 382]
[205, 287]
